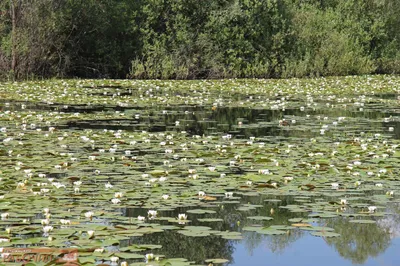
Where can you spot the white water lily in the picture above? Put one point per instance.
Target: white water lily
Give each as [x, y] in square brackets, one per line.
[263, 171]
[202, 193]
[372, 208]
[108, 185]
[47, 229]
[118, 194]
[65, 222]
[390, 193]
[357, 183]
[114, 259]
[77, 183]
[182, 216]
[89, 214]
[165, 197]
[192, 171]
[5, 215]
[149, 256]
[379, 185]
[90, 233]
[141, 218]
[211, 168]
[124, 263]
[335, 185]
[100, 250]
[58, 185]
[288, 178]
[228, 194]
[249, 183]
[46, 210]
[343, 201]
[76, 189]
[152, 213]
[45, 222]
[116, 201]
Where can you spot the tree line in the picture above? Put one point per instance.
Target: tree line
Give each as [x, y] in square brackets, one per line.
[187, 39]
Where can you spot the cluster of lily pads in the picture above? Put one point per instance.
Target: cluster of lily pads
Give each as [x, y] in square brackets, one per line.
[102, 164]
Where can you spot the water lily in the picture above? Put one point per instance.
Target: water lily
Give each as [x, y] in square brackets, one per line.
[357, 183]
[45, 222]
[100, 250]
[65, 222]
[149, 256]
[182, 216]
[116, 201]
[372, 209]
[228, 194]
[343, 201]
[152, 213]
[141, 218]
[335, 185]
[114, 259]
[118, 194]
[263, 171]
[165, 197]
[192, 171]
[46, 210]
[288, 178]
[202, 193]
[5, 215]
[211, 168]
[379, 185]
[249, 183]
[124, 263]
[89, 215]
[108, 185]
[90, 233]
[390, 193]
[47, 229]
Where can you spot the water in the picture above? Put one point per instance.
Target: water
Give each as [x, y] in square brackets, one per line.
[374, 243]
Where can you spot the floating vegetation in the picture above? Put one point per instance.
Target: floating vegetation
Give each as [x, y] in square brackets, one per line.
[127, 171]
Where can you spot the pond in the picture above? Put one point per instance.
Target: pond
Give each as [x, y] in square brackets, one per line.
[207, 172]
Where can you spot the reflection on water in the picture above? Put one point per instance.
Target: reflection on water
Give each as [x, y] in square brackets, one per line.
[240, 121]
[358, 243]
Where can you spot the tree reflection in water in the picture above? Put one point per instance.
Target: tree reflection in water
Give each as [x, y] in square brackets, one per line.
[197, 249]
[358, 242]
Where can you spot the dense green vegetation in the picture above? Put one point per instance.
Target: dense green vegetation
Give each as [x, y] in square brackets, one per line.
[186, 39]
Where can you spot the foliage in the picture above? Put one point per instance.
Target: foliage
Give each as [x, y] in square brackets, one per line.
[186, 39]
